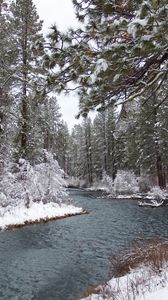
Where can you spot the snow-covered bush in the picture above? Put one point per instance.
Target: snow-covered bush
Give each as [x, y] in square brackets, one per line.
[125, 183]
[23, 183]
[107, 183]
[10, 188]
[157, 193]
[51, 185]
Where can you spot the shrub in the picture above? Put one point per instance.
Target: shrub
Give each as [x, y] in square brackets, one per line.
[107, 183]
[23, 183]
[157, 193]
[125, 183]
[153, 254]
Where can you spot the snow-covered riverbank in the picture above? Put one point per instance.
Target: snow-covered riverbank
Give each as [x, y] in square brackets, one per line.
[33, 194]
[11, 217]
[140, 275]
[140, 284]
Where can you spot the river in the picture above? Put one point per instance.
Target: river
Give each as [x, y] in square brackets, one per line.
[58, 260]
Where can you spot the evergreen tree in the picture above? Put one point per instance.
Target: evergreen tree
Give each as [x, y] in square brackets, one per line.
[104, 144]
[28, 71]
[120, 53]
[61, 146]
[98, 147]
[152, 123]
[77, 153]
[80, 152]
[111, 142]
[50, 122]
[8, 52]
[88, 150]
[126, 138]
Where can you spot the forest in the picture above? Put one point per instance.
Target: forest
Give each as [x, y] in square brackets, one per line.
[116, 61]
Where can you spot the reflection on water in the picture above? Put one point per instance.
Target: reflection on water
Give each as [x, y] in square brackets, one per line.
[58, 260]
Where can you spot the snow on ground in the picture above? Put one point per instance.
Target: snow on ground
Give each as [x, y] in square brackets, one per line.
[20, 215]
[140, 284]
[161, 294]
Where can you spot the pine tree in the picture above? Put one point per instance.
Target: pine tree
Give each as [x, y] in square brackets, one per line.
[61, 146]
[80, 152]
[127, 151]
[152, 124]
[104, 144]
[98, 147]
[28, 71]
[163, 127]
[50, 122]
[77, 153]
[111, 142]
[88, 150]
[8, 55]
[120, 53]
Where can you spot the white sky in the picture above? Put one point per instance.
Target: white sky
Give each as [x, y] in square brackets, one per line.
[61, 13]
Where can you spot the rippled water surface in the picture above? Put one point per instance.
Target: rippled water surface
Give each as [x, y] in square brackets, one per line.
[58, 260]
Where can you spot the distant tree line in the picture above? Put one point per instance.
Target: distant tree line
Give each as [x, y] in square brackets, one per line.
[134, 137]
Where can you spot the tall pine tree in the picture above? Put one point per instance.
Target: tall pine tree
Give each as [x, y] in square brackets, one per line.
[28, 70]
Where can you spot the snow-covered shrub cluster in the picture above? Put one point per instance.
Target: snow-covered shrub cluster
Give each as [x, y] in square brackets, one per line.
[107, 183]
[126, 183]
[157, 193]
[23, 183]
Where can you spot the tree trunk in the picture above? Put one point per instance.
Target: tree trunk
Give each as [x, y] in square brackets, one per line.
[159, 165]
[160, 172]
[88, 153]
[24, 130]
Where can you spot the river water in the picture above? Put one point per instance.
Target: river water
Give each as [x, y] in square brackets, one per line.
[58, 260]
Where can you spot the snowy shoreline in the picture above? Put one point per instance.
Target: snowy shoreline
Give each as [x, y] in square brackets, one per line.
[141, 274]
[139, 284]
[20, 216]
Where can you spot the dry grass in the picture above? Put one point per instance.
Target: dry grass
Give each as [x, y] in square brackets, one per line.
[89, 291]
[153, 253]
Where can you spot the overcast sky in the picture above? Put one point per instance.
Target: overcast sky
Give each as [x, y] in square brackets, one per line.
[61, 13]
